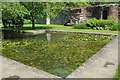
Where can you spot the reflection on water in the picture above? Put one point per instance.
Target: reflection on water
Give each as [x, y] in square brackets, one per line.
[48, 36]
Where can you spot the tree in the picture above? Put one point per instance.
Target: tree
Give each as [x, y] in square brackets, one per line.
[107, 2]
[42, 9]
[13, 13]
[77, 4]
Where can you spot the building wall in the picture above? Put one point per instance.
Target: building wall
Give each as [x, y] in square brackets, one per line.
[96, 12]
[92, 12]
[41, 20]
[113, 12]
[62, 18]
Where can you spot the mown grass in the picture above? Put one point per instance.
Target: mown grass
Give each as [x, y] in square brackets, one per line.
[28, 27]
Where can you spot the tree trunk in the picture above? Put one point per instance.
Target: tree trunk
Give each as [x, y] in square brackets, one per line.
[33, 22]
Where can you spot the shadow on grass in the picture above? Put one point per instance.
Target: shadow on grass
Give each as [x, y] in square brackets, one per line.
[27, 28]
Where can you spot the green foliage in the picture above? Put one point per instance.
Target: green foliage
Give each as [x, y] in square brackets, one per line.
[1, 22]
[77, 4]
[108, 22]
[13, 14]
[111, 24]
[115, 26]
[55, 7]
[27, 21]
[80, 26]
[105, 2]
[92, 23]
[62, 54]
[105, 24]
[35, 9]
[13, 10]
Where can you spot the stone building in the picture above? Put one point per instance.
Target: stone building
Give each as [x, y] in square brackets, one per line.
[78, 15]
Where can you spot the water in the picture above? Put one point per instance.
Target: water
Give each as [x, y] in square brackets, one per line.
[56, 53]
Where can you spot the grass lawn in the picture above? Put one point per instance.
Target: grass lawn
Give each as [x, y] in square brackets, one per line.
[28, 27]
[117, 75]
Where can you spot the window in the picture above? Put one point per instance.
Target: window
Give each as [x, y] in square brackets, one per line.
[76, 11]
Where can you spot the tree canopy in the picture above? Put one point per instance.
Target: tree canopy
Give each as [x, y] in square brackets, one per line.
[77, 4]
[13, 14]
[13, 10]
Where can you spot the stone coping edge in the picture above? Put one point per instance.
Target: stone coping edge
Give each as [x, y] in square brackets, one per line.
[80, 32]
[29, 67]
[93, 33]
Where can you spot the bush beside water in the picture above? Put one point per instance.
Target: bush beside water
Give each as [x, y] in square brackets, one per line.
[99, 25]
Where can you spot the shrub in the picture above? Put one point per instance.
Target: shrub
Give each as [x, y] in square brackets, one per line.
[80, 26]
[109, 24]
[115, 26]
[98, 23]
[92, 23]
[102, 23]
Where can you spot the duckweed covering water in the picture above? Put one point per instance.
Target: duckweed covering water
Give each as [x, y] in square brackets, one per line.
[56, 53]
